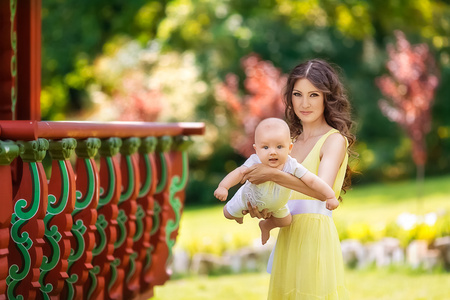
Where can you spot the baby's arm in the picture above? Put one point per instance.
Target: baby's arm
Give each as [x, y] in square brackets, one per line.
[316, 183]
[233, 178]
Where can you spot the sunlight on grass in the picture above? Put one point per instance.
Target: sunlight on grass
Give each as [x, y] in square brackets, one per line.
[384, 202]
[236, 287]
[362, 284]
[206, 230]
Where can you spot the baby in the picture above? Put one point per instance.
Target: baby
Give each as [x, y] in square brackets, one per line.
[272, 145]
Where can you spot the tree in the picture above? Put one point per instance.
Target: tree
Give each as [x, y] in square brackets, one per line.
[410, 87]
[264, 84]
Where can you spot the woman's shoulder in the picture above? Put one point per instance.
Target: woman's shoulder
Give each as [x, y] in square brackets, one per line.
[335, 140]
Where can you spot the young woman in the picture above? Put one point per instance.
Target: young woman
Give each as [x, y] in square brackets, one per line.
[307, 259]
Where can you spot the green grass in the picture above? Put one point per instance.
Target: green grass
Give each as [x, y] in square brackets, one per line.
[363, 285]
[386, 201]
[205, 229]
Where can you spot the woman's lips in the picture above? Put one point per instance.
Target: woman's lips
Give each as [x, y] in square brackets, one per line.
[305, 113]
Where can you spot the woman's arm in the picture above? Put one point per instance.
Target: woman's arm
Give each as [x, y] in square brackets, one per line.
[260, 173]
[332, 154]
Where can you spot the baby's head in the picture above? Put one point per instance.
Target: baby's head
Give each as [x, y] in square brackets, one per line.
[272, 142]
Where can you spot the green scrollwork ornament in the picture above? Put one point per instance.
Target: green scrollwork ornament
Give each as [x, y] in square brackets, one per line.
[62, 149]
[33, 151]
[88, 148]
[8, 152]
[130, 146]
[110, 147]
[164, 144]
[148, 145]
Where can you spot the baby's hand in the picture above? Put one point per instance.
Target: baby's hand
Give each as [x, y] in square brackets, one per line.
[332, 203]
[221, 193]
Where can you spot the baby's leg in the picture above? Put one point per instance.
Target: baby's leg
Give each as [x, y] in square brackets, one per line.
[267, 225]
[229, 216]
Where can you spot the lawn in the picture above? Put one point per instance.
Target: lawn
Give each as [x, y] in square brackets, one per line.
[362, 284]
[205, 229]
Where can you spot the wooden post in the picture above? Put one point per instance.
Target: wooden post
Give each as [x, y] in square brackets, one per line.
[28, 60]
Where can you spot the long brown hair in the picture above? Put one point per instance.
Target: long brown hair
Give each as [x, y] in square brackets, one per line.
[337, 112]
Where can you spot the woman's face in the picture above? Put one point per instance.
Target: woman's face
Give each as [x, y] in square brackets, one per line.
[307, 101]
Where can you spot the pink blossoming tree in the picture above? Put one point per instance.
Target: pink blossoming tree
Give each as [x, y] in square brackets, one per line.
[410, 88]
[263, 99]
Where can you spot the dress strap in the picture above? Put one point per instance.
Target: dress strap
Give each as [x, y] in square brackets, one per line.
[321, 140]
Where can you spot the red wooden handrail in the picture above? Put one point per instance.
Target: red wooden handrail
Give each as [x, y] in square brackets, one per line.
[31, 130]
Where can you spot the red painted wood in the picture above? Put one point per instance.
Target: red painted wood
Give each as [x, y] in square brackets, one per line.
[29, 59]
[88, 217]
[6, 54]
[29, 286]
[127, 208]
[63, 220]
[5, 220]
[142, 245]
[158, 272]
[109, 212]
[28, 130]
[177, 169]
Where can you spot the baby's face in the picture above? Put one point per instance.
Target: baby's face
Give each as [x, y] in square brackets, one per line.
[273, 147]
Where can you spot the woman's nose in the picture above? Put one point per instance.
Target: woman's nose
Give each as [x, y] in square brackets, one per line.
[305, 103]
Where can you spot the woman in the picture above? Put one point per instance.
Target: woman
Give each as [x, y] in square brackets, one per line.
[307, 259]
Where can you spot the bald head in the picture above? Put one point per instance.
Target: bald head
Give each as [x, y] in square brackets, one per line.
[272, 126]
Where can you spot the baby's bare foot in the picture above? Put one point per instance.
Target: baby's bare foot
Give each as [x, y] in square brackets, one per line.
[265, 232]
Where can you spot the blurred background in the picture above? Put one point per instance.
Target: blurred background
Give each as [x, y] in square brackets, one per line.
[225, 63]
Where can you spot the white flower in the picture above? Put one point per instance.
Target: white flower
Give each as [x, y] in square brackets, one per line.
[407, 220]
[430, 218]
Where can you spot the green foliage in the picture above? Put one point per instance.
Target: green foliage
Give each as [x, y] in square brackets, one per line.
[217, 34]
[74, 33]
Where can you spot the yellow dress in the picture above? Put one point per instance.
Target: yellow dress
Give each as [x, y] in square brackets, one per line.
[307, 259]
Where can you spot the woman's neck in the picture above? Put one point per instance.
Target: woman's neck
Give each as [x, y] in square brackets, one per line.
[314, 129]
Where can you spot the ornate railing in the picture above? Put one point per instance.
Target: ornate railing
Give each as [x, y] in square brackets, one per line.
[103, 229]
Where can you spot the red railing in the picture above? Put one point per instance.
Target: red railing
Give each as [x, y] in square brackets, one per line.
[101, 229]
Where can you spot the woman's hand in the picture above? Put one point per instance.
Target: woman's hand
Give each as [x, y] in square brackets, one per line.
[255, 213]
[258, 174]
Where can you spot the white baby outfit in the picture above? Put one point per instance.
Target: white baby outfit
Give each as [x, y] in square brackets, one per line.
[268, 195]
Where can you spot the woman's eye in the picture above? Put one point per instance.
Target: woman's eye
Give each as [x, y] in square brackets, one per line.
[314, 95]
[296, 94]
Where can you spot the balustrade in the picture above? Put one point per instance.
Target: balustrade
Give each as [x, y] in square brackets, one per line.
[104, 224]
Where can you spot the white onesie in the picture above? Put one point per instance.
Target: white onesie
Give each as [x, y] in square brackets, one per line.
[268, 195]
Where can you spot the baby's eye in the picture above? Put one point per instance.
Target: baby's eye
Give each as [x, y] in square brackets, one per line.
[265, 147]
[279, 146]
